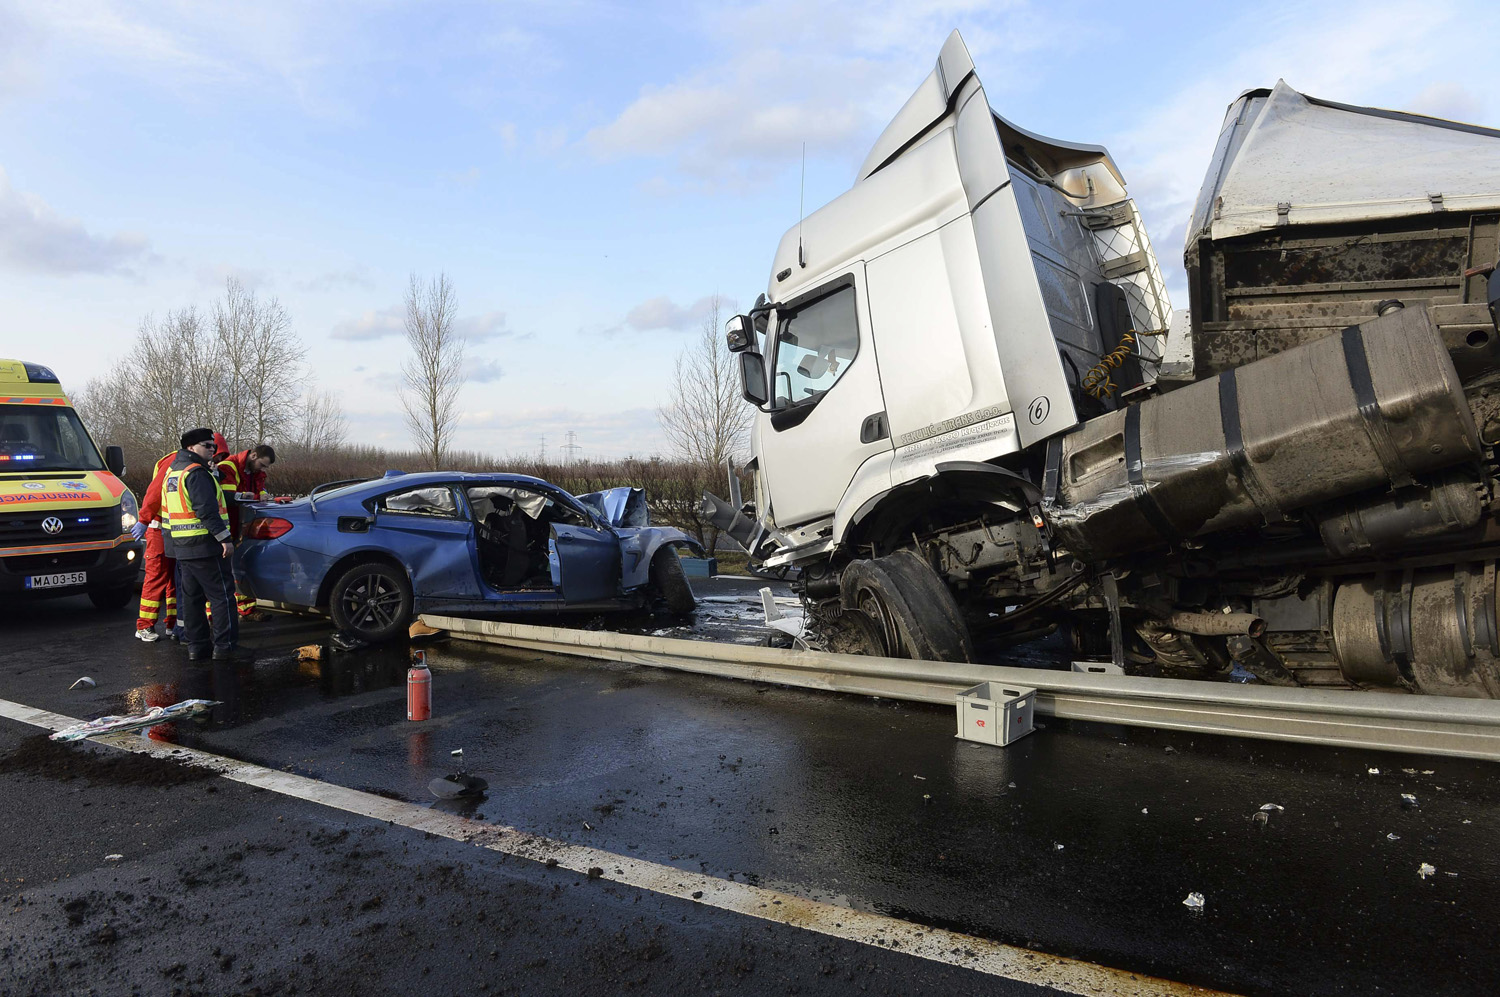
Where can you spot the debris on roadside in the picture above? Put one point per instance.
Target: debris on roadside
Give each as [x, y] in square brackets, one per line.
[150, 718]
[83, 683]
[115, 857]
[1261, 817]
[1374, 771]
[460, 784]
[346, 642]
[1424, 870]
[419, 629]
[1409, 802]
[1272, 806]
[1194, 901]
[310, 652]
[1057, 846]
[1393, 836]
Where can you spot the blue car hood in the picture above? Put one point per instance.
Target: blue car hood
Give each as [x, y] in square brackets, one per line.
[620, 507]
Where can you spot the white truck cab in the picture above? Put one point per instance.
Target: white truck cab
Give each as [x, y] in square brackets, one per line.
[945, 309]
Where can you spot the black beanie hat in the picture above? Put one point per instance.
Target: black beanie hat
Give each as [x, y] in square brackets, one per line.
[195, 436]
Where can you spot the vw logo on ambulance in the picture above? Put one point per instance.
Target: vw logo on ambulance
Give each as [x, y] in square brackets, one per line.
[52, 525]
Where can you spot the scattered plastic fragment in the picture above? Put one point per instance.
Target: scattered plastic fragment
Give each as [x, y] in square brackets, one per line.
[1057, 847]
[1424, 870]
[1272, 806]
[922, 777]
[1194, 901]
[1374, 771]
[1454, 874]
[1011, 785]
[1393, 836]
[83, 683]
[113, 858]
[152, 717]
[1144, 810]
[1261, 817]
[1409, 802]
[1429, 771]
[587, 826]
[1467, 821]
[926, 796]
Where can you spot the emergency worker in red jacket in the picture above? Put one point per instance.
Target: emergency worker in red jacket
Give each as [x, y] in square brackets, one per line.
[159, 590]
[242, 477]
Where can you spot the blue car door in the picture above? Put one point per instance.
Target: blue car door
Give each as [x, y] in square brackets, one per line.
[585, 563]
[431, 533]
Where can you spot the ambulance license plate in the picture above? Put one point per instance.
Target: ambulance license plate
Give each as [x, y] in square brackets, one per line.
[57, 581]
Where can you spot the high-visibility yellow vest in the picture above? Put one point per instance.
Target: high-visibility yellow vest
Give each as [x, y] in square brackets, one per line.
[182, 521]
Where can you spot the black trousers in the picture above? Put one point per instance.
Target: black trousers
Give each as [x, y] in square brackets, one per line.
[200, 580]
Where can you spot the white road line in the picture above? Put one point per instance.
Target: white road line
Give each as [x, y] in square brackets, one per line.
[934, 944]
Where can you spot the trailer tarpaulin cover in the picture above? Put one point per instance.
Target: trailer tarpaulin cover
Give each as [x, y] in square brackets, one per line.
[1287, 159]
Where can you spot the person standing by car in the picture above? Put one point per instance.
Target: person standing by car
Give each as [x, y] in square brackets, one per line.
[159, 590]
[243, 478]
[198, 536]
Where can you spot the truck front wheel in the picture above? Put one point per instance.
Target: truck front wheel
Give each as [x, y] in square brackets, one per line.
[911, 607]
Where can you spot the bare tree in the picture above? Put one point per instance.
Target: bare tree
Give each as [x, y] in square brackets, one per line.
[260, 360]
[433, 376]
[706, 420]
[320, 424]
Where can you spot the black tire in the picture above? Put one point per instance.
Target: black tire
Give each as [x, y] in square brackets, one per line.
[669, 582]
[110, 600]
[372, 601]
[916, 615]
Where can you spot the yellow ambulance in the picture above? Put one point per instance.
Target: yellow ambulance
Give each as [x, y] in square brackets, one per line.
[65, 515]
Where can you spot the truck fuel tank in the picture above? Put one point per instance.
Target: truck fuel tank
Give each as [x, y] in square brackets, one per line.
[1379, 403]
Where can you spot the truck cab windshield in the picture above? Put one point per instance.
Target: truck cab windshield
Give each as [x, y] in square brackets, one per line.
[45, 438]
[814, 346]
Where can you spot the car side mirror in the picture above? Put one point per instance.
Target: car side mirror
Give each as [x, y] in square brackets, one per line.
[738, 333]
[753, 379]
[114, 459]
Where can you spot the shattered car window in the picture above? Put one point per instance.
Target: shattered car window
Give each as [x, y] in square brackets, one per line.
[436, 500]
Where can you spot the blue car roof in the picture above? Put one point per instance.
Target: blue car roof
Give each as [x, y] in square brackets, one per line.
[433, 477]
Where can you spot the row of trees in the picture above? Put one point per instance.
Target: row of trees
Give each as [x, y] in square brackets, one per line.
[239, 367]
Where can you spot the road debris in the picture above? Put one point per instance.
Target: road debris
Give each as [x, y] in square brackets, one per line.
[134, 721]
[1393, 836]
[1144, 810]
[1424, 870]
[1057, 847]
[1194, 901]
[83, 683]
[1272, 806]
[1374, 771]
[115, 857]
[310, 652]
[1409, 802]
[346, 642]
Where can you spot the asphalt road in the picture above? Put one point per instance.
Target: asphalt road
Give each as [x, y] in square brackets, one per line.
[1081, 840]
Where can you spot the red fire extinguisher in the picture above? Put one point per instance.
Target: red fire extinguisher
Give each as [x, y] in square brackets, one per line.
[418, 688]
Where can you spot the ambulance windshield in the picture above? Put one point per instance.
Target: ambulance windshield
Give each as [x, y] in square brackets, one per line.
[45, 438]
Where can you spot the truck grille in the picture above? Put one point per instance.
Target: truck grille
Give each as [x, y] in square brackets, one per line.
[24, 529]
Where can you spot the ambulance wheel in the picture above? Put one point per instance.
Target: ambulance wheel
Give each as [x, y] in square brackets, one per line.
[916, 615]
[111, 599]
[372, 601]
[670, 583]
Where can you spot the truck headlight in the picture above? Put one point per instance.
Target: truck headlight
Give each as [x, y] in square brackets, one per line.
[129, 511]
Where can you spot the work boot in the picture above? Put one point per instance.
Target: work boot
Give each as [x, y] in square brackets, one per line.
[149, 636]
[199, 653]
[236, 654]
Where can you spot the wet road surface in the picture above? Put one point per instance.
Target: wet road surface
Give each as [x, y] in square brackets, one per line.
[1081, 840]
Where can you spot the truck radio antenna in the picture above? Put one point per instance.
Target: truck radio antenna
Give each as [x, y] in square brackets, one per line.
[801, 196]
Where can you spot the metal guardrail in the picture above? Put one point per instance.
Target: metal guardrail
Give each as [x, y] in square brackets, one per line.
[1434, 725]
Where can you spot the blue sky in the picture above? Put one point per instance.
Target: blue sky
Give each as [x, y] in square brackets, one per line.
[588, 174]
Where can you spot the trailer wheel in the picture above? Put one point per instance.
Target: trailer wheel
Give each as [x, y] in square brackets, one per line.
[911, 607]
[670, 583]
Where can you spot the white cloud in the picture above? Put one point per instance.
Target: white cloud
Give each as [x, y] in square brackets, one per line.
[785, 73]
[333, 279]
[663, 313]
[478, 328]
[216, 275]
[35, 238]
[373, 324]
[482, 371]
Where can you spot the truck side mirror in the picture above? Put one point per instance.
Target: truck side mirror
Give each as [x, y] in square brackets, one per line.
[738, 334]
[753, 379]
[114, 459]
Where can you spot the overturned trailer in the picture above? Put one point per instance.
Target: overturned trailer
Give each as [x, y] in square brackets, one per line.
[973, 428]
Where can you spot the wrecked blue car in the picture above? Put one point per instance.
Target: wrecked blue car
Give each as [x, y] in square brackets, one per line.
[374, 554]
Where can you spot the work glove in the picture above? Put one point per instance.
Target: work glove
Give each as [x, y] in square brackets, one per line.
[138, 530]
